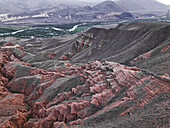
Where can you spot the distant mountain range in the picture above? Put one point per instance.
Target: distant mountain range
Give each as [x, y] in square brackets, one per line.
[168, 6]
[55, 11]
[18, 6]
[137, 5]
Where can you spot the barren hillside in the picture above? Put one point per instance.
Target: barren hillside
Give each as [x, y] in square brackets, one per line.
[79, 82]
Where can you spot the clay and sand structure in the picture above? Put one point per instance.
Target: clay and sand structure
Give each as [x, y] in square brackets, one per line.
[96, 93]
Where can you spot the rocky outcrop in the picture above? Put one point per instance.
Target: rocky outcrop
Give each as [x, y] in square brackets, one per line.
[13, 109]
[73, 94]
[82, 43]
[142, 57]
[43, 90]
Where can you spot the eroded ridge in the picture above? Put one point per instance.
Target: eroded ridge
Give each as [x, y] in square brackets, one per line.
[71, 94]
[13, 109]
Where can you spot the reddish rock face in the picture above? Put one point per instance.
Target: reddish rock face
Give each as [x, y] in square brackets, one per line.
[142, 57]
[51, 55]
[13, 109]
[64, 57]
[73, 95]
[165, 49]
[80, 45]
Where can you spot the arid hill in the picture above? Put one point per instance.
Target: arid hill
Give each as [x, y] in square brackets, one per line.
[122, 44]
[107, 7]
[79, 82]
[141, 5]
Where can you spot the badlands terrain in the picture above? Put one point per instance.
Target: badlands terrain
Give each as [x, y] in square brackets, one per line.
[117, 77]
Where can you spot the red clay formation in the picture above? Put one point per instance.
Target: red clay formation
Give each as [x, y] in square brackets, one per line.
[13, 109]
[165, 49]
[81, 44]
[51, 55]
[144, 56]
[71, 94]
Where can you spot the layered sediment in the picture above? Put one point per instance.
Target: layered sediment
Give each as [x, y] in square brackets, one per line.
[51, 90]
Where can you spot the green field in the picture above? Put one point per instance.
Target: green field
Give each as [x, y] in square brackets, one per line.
[46, 31]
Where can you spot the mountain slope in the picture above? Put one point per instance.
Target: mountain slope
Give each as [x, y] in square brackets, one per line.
[139, 43]
[94, 94]
[134, 5]
[125, 43]
[18, 6]
[107, 6]
[42, 86]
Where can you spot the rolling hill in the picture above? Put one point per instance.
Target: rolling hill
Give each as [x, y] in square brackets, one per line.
[107, 7]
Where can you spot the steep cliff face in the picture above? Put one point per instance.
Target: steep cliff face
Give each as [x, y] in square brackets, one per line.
[47, 89]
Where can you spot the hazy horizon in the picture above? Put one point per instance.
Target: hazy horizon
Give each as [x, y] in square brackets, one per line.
[167, 2]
